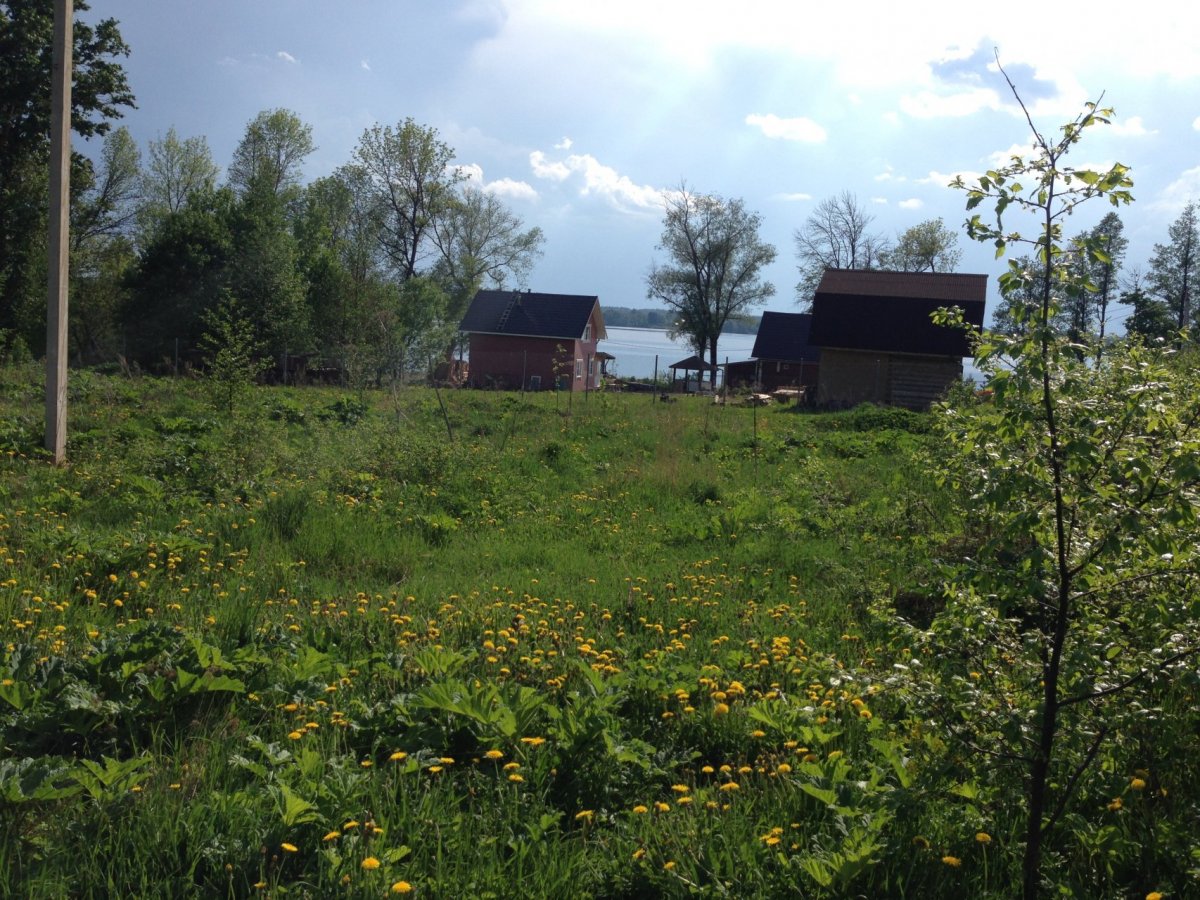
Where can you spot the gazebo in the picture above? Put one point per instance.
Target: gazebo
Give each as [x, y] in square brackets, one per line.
[692, 364]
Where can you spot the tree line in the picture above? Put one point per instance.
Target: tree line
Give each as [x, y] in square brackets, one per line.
[714, 255]
[369, 268]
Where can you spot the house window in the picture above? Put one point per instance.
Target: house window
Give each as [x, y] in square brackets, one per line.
[578, 368]
[587, 332]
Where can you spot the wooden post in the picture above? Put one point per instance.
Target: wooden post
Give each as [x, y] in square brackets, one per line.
[60, 210]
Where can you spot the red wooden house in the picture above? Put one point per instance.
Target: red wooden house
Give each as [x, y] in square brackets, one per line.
[519, 339]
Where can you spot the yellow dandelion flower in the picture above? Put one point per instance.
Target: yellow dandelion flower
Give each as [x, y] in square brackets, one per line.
[783, 768]
[397, 756]
[1154, 895]
[983, 837]
[1138, 784]
[720, 709]
[370, 863]
[353, 823]
[494, 754]
[952, 861]
[331, 836]
[288, 848]
[435, 769]
[402, 887]
[640, 810]
[680, 788]
[533, 741]
[584, 814]
[516, 778]
[662, 807]
[922, 843]
[730, 786]
[639, 852]
[771, 840]
[669, 865]
[1115, 805]
[684, 801]
[295, 735]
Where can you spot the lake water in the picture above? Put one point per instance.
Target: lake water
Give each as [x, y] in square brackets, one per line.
[636, 348]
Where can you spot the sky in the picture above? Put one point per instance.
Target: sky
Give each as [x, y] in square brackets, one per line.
[581, 113]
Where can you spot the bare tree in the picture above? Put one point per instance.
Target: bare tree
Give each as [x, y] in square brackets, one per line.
[835, 236]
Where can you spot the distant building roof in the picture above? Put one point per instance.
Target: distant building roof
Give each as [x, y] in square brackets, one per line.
[693, 363]
[890, 311]
[785, 336]
[532, 315]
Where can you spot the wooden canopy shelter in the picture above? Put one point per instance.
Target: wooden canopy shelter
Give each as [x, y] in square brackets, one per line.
[692, 364]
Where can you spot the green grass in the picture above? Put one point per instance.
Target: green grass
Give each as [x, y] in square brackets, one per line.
[640, 650]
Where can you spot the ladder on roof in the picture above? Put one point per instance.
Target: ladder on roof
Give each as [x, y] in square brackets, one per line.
[512, 303]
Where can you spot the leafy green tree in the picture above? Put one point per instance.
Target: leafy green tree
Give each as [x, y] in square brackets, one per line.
[1109, 245]
[235, 358]
[1151, 319]
[836, 236]
[927, 247]
[181, 274]
[480, 240]
[1175, 265]
[714, 259]
[99, 93]
[174, 171]
[408, 167]
[1083, 480]
[271, 152]
[102, 251]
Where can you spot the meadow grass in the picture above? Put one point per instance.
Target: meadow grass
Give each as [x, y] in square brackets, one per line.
[341, 645]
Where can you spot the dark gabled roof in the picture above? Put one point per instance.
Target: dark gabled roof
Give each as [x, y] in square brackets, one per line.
[785, 336]
[532, 315]
[889, 311]
[692, 364]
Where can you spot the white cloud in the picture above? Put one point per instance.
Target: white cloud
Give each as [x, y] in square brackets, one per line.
[889, 174]
[911, 203]
[793, 129]
[1131, 127]
[1004, 157]
[1196, 124]
[286, 57]
[1176, 195]
[795, 198]
[365, 65]
[930, 105]
[472, 172]
[879, 201]
[597, 179]
[943, 179]
[565, 144]
[508, 187]
[553, 171]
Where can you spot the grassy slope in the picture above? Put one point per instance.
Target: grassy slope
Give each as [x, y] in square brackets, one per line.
[627, 651]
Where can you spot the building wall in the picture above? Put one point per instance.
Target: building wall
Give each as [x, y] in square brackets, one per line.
[851, 377]
[772, 374]
[507, 361]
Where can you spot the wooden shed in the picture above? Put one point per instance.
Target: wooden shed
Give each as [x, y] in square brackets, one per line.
[878, 341]
[519, 339]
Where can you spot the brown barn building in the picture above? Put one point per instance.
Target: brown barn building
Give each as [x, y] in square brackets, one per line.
[783, 357]
[519, 339]
[878, 343]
